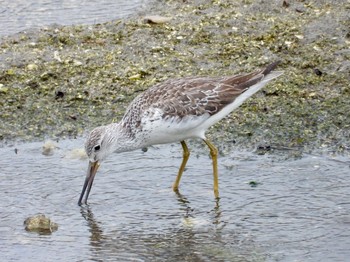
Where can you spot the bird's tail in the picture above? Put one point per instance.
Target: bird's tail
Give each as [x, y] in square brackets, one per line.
[268, 72]
[253, 85]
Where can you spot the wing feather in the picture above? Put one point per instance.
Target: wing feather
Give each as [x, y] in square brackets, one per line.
[191, 96]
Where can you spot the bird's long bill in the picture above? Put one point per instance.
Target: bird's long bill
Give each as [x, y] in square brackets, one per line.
[91, 172]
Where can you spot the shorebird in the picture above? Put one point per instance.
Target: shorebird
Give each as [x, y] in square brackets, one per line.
[173, 111]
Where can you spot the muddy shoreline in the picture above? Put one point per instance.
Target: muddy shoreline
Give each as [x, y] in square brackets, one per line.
[61, 81]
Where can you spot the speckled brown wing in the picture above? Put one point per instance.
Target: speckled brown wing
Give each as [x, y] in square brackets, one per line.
[198, 96]
[194, 96]
[202, 95]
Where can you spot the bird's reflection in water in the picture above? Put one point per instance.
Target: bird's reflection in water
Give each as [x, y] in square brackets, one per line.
[215, 214]
[184, 204]
[190, 234]
[95, 229]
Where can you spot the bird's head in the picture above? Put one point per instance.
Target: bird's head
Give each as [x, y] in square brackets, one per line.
[96, 148]
[95, 144]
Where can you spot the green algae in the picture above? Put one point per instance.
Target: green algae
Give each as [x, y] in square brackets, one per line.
[40, 224]
[64, 80]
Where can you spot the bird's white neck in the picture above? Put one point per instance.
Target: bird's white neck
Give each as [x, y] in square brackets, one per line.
[119, 139]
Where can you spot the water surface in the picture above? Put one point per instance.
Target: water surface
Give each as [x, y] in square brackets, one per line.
[299, 210]
[19, 15]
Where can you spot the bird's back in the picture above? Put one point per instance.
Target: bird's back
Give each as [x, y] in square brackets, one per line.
[196, 102]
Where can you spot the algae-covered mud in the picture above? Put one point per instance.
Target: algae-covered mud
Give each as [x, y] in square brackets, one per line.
[63, 80]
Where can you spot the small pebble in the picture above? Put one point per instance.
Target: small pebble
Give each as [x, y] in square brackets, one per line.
[285, 4]
[317, 71]
[3, 89]
[77, 62]
[156, 19]
[77, 153]
[59, 94]
[48, 148]
[32, 67]
[40, 224]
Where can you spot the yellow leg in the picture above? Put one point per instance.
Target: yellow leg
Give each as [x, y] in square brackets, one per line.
[214, 158]
[186, 155]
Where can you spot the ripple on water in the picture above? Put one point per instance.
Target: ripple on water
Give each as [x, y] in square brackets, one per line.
[19, 15]
[298, 210]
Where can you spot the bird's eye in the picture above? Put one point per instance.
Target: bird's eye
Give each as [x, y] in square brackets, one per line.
[98, 147]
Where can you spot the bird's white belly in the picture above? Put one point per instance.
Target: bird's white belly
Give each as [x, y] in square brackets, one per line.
[162, 131]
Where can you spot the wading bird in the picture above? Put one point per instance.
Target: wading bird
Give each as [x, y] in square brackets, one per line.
[173, 111]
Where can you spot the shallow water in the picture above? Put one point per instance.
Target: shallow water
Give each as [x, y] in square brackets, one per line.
[298, 211]
[19, 15]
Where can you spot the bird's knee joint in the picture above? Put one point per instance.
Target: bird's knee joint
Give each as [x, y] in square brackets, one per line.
[186, 154]
[213, 153]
